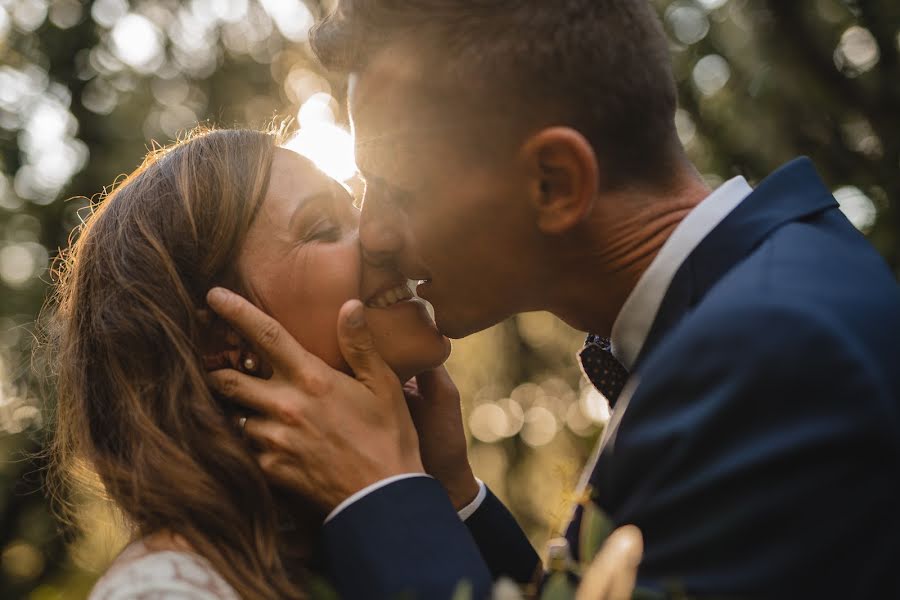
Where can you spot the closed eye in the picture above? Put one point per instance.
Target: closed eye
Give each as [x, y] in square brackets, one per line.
[325, 230]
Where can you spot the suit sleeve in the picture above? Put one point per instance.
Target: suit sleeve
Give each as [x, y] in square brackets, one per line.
[502, 543]
[403, 540]
[755, 456]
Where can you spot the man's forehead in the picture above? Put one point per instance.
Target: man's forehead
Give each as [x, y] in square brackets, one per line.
[396, 93]
[389, 77]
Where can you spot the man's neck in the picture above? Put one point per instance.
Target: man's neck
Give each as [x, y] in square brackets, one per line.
[614, 249]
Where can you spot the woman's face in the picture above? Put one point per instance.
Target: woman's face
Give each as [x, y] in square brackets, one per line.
[301, 261]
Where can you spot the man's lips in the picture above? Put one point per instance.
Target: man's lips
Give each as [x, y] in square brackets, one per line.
[422, 289]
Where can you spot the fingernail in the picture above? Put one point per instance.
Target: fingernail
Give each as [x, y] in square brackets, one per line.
[356, 318]
[216, 295]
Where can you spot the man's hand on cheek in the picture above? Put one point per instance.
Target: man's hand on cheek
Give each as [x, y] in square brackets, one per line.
[433, 401]
[321, 433]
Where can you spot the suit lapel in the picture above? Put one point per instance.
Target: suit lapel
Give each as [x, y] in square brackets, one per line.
[791, 193]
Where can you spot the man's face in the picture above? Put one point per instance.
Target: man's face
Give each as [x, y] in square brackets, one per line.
[434, 207]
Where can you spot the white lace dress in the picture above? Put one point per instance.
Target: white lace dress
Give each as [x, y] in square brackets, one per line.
[142, 574]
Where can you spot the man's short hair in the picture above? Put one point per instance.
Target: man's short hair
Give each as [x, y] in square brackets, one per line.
[599, 66]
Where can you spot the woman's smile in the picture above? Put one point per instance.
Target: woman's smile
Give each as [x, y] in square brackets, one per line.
[301, 261]
[390, 296]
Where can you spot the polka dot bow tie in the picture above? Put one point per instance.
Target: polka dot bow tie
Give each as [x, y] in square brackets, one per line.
[603, 370]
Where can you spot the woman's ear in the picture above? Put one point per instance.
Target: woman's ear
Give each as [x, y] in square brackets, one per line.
[220, 346]
[565, 177]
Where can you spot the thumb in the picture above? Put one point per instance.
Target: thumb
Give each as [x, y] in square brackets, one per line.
[358, 347]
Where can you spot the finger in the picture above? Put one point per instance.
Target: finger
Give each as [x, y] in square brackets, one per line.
[411, 391]
[359, 351]
[263, 332]
[274, 436]
[257, 394]
[214, 362]
[284, 474]
[628, 543]
[612, 574]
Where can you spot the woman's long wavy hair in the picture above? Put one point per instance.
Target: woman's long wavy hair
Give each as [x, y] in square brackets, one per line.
[125, 339]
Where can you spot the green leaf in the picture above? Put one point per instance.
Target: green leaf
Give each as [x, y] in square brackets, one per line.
[558, 587]
[645, 594]
[320, 589]
[463, 591]
[595, 528]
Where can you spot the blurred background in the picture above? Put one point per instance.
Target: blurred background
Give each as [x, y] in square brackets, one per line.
[86, 87]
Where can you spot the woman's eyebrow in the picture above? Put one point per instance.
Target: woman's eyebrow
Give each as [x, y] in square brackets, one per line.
[306, 201]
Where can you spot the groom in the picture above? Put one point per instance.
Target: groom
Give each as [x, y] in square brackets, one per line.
[521, 155]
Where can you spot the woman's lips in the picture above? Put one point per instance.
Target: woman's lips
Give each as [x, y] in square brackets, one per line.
[391, 296]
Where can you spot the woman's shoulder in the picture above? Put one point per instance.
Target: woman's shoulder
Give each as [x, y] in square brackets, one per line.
[141, 573]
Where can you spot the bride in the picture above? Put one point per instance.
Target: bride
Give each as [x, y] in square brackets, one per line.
[132, 340]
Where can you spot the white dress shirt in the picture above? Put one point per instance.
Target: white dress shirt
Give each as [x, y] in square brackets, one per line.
[632, 325]
[637, 314]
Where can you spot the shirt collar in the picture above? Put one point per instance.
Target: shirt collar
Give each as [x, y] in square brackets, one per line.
[637, 314]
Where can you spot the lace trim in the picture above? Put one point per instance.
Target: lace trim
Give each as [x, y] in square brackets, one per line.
[139, 574]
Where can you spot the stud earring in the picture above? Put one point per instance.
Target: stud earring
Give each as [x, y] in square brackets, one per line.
[249, 364]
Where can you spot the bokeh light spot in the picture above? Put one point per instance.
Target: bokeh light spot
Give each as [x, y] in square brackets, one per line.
[292, 18]
[22, 561]
[106, 12]
[540, 427]
[28, 15]
[685, 126]
[515, 417]
[65, 13]
[857, 51]
[5, 24]
[710, 74]
[20, 262]
[488, 423]
[9, 200]
[137, 42]
[230, 11]
[689, 24]
[301, 83]
[712, 4]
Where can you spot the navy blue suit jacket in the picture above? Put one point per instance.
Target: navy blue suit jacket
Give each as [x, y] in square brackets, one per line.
[759, 454]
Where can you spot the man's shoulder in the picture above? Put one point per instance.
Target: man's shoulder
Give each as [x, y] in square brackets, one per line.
[806, 283]
[769, 326]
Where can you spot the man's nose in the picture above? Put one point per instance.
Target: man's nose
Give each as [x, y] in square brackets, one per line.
[380, 233]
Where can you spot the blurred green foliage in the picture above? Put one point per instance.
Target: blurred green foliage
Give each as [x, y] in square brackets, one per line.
[86, 86]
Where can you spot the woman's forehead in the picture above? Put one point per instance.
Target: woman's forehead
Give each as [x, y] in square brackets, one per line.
[292, 179]
[294, 171]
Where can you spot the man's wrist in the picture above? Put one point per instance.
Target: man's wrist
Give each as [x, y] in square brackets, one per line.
[469, 510]
[463, 491]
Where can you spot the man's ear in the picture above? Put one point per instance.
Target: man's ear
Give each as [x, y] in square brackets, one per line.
[565, 177]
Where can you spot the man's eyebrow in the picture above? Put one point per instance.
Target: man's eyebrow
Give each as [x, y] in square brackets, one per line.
[375, 180]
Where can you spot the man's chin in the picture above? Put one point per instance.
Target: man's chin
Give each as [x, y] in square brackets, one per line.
[457, 328]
